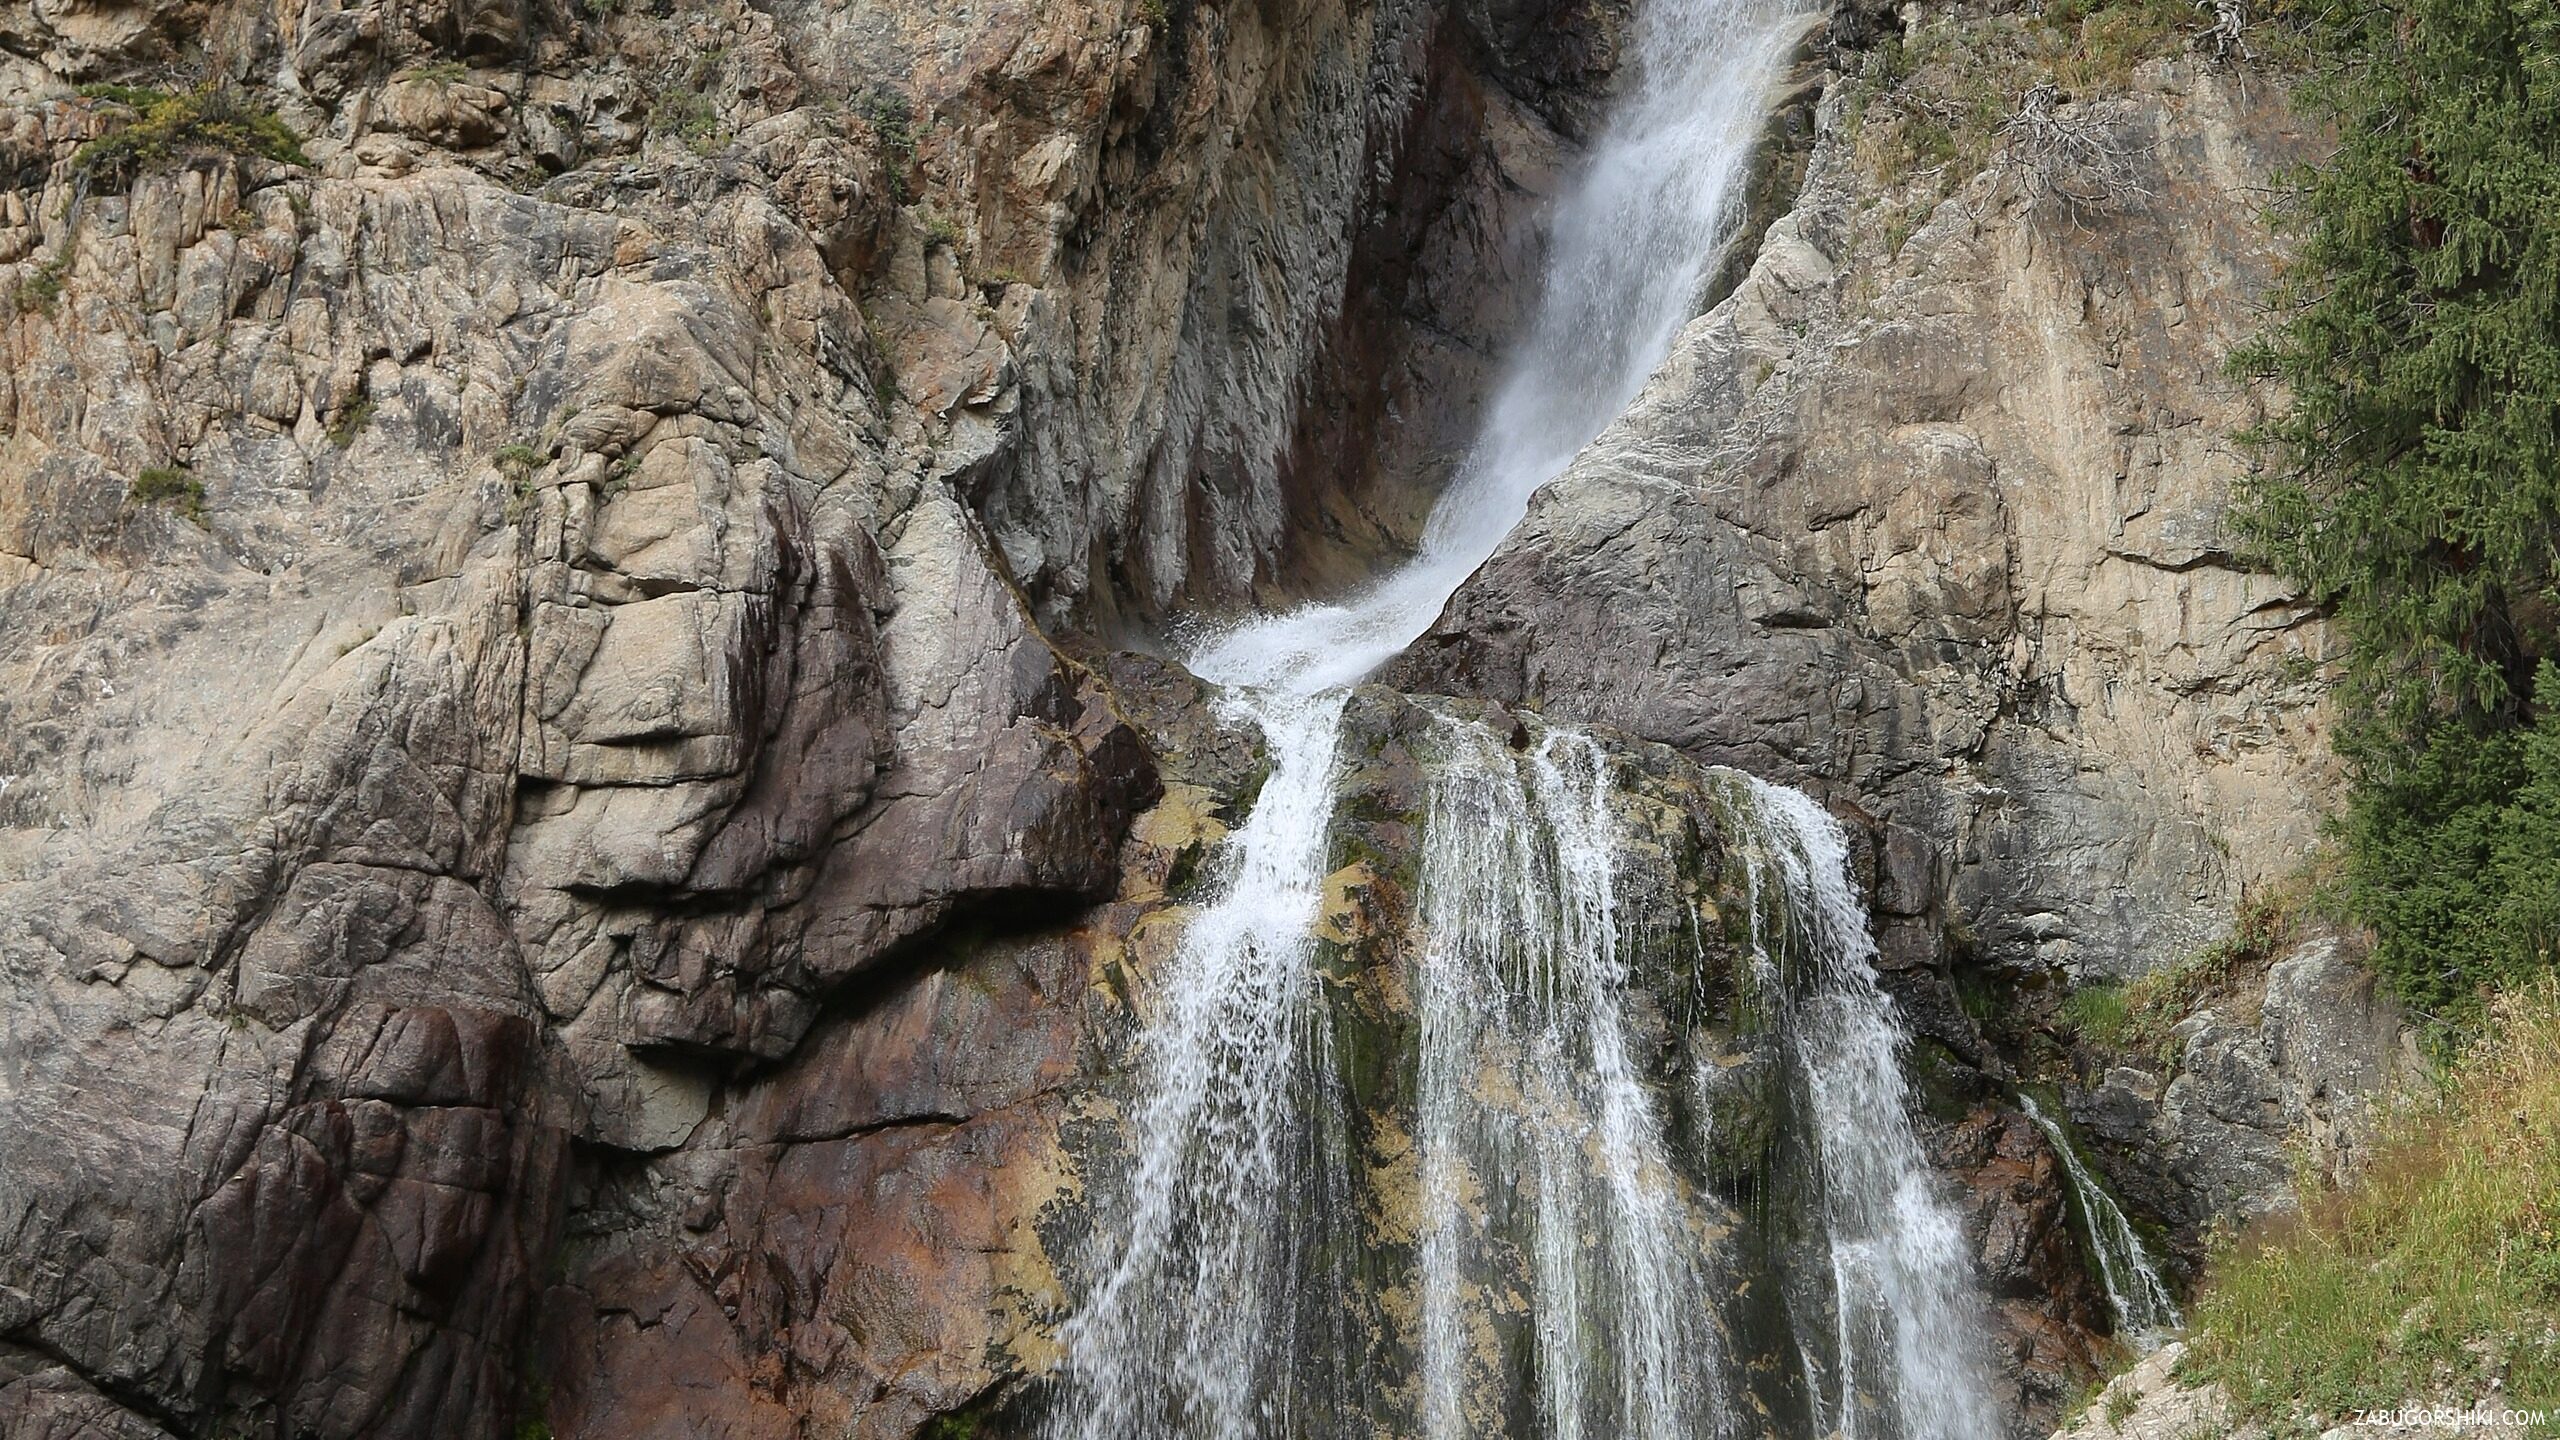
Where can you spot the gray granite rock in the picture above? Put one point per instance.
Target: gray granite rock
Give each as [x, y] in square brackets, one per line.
[1938, 528]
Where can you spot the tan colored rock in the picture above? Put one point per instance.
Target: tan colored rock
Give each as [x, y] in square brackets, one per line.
[1943, 530]
[452, 113]
[2148, 1402]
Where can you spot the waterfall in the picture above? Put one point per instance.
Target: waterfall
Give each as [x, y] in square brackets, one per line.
[1628, 254]
[1231, 1294]
[1902, 1360]
[2144, 1313]
[1186, 1330]
[1528, 1080]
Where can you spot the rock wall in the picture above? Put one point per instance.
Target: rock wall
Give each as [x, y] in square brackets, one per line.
[1928, 515]
[584, 863]
[532, 876]
[2283, 1074]
[1935, 522]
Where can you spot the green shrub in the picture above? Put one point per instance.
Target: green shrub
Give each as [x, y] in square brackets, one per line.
[2098, 1013]
[438, 72]
[168, 485]
[209, 120]
[520, 458]
[683, 107]
[686, 115]
[892, 118]
[41, 290]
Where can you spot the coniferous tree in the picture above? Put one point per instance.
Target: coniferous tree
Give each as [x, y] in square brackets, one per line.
[2417, 489]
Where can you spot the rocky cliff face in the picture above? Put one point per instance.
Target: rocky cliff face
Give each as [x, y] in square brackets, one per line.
[1929, 512]
[576, 864]
[2284, 1071]
[517, 860]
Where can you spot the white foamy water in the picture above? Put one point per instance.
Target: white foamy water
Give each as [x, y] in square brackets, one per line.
[2144, 1313]
[1192, 1318]
[1228, 1297]
[1529, 1086]
[1904, 1359]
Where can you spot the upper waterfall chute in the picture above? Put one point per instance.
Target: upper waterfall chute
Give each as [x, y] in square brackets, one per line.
[1631, 247]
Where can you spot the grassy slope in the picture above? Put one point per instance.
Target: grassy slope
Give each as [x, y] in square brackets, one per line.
[2435, 1276]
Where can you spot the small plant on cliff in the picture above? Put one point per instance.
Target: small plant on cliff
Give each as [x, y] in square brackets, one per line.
[892, 118]
[521, 464]
[2099, 1013]
[438, 72]
[685, 115]
[519, 459]
[2415, 487]
[2142, 1015]
[168, 485]
[41, 290]
[350, 421]
[208, 120]
[132, 97]
[684, 108]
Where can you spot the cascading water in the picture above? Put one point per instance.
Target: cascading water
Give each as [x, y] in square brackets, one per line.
[1528, 1081]
[1899, 1292]
[1186, 1329]
[1231, 1295]
[1629, 253]
[2144, 1313]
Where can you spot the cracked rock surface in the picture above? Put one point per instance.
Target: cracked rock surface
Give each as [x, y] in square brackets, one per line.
[586, 860]
[554, 778]
[1939, 530]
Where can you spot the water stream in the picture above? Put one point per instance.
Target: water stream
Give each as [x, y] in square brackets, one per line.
[2144, 1313]
[1896, 1285]
[1530, 1083]
[1565, 1276]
